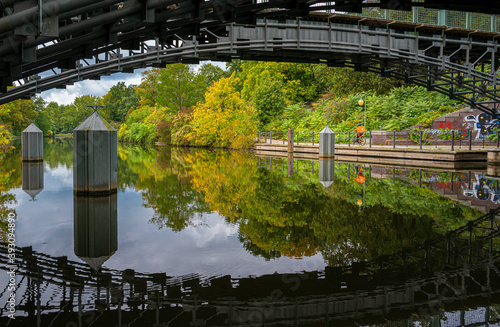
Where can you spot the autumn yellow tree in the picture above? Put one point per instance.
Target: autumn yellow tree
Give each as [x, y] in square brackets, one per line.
[224, 119]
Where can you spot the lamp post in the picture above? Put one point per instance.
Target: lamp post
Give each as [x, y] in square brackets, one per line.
[362, 102]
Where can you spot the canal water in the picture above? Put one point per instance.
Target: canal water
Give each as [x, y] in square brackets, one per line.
[198, 237]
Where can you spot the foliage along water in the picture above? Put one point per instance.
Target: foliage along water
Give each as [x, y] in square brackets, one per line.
[214, 212]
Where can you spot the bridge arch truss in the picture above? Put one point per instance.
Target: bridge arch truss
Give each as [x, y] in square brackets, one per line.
[462, 64]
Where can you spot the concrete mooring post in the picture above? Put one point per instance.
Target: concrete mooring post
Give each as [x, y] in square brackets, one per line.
[32, 142]
[95, 156]
[326, 143]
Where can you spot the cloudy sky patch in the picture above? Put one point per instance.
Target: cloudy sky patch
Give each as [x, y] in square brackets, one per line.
[98, 88]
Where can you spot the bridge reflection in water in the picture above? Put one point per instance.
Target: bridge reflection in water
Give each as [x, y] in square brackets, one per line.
[459, 269]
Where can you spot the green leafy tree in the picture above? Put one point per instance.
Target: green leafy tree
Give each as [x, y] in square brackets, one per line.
[268, 99]
[45, 123]
[339, 82]
[210, 73]
[147, 90]
[179, 87]
[297, 79]
[119, 100]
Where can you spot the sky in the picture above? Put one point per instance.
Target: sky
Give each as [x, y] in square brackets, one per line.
[98, 88]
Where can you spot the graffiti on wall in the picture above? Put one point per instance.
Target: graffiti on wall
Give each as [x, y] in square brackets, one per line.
[484, 124]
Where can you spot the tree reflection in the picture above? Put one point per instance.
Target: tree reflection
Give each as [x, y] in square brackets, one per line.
[161, 176]
[9, 178]
[277, 215]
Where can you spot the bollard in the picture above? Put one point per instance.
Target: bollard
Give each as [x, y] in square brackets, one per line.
[94, 157]
[291, 133]
[326, 143]
[32, 142]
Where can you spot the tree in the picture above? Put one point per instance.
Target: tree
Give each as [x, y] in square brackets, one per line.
[297, 79]
[45, 123]
[224, 120]
[268, 99]
[147, 91]
[119, 100]
[179, 87]
[345, 81]
[210, 73]
[18, 114]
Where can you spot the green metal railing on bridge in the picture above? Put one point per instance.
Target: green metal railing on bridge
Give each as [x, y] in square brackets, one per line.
[429, 16]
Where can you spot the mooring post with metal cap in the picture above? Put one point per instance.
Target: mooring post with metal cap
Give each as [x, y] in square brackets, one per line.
[95, 147]
[326, 143]
[32, 142]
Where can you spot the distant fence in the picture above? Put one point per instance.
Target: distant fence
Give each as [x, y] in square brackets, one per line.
[448, 139]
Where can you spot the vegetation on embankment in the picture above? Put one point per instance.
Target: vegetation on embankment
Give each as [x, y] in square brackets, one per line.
[225, 108]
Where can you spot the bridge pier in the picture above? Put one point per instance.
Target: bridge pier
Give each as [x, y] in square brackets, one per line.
[32, 141]
[95, 147]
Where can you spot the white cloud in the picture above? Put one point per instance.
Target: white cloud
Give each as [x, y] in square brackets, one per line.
[90, 87]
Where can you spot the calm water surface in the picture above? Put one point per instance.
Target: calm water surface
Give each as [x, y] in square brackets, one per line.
[279, 240]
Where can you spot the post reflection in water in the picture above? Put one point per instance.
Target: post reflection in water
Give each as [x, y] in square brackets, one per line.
[95, 228]
[32, 178]
[326, 172]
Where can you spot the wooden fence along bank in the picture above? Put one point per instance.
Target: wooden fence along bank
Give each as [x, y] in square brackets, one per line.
[418, 155]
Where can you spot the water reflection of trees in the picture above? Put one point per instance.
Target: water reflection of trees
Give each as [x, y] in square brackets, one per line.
[9, 178]
[277, 215]
[287, 216]
[164, 182]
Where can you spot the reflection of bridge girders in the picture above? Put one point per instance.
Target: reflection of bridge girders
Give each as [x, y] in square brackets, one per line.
[445, 64]
[440, 272]
[282, 302]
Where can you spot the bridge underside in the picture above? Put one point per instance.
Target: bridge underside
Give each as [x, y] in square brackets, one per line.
[69, 41]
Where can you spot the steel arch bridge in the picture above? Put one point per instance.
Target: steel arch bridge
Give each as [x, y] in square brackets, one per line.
[50, 44]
